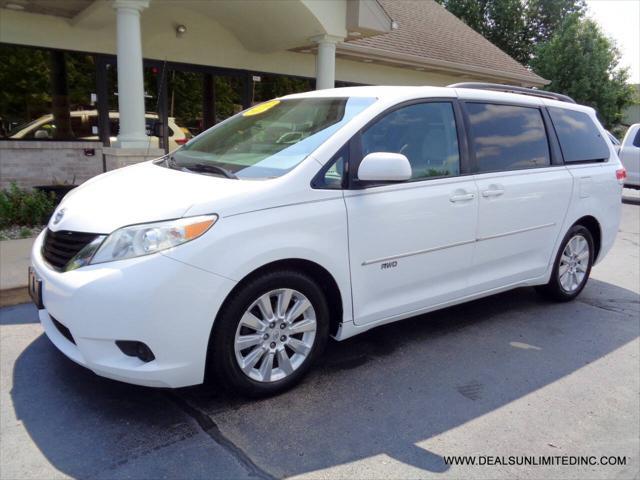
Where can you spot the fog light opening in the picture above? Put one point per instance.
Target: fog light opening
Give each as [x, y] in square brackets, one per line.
[139, 350]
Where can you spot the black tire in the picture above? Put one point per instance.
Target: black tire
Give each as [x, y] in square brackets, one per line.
[222, 363]
[554, 289]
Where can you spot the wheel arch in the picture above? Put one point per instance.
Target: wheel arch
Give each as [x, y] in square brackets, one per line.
[591, 224]
[317, 272]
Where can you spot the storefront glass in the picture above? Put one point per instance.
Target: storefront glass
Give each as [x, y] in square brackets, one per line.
[46, 94]
[62, 95]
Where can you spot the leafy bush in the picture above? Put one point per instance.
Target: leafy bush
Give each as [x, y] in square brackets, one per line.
[24, 207]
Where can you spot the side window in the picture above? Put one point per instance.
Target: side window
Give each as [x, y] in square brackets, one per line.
[507, 137]
[580, 140]
[636, 141]
[331, 175]
[425, 133]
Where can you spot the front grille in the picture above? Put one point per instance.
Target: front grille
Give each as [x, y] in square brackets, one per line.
[60, 247]
[66, 333]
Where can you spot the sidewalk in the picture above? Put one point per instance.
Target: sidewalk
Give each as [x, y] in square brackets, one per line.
[14, 261]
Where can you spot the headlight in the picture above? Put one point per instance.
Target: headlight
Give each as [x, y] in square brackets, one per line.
[143, 239]
[83, 257]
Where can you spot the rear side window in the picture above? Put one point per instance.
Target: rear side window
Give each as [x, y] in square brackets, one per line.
[507, 137]
[580, 139]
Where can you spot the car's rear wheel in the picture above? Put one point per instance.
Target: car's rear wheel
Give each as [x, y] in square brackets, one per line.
[572, 266]
[269, 333]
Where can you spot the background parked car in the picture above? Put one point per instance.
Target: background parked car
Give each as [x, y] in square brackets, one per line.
[630, 156]
[84, 124]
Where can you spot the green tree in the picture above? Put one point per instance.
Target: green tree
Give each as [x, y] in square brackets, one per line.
[544, 17]
[506, 25]
[583, 63]
[502, 22]
[471, 12]
[26, 82]
[515, 26]
[272, 86]
[24, 76]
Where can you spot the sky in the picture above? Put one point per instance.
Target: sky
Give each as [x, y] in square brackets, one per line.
[620, 20]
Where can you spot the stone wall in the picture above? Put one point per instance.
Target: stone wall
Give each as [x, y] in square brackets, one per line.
[122, 157]
[31, 163]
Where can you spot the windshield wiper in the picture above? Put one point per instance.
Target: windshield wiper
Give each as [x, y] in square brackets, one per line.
[210, 168]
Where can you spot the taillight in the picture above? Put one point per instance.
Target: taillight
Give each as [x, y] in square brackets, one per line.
[181, 141]
[621, 174]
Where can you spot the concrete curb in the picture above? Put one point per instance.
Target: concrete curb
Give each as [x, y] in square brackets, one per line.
[14, 296]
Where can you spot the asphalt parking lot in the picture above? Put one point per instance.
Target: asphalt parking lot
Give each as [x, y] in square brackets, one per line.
[507, 375]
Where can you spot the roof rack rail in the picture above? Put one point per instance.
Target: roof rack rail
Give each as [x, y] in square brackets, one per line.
[513, 89]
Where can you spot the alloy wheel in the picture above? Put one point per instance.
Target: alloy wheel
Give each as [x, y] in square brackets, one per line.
[275, 335]
[574, 263]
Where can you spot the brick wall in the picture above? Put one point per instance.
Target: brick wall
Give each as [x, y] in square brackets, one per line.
[122, 157]
[30, 163]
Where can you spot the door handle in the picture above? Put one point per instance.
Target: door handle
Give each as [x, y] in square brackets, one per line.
[462, 197]
[493, 192]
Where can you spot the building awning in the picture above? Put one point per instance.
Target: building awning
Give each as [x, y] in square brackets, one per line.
[428, 37]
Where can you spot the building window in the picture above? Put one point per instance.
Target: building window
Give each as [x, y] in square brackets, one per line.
[53, 95]
[268, 86]
[46, 94]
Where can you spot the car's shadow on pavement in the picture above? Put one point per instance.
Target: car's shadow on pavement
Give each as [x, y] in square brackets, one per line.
[379, 393]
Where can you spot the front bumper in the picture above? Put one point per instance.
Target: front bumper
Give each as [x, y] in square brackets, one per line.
[164, 303]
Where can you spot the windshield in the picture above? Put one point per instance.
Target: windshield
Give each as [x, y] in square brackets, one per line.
[267, 140]
[17, 129]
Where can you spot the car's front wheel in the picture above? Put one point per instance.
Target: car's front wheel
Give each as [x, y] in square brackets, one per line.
[269, 333]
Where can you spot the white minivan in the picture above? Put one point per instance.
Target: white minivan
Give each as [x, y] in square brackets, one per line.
[323, 214]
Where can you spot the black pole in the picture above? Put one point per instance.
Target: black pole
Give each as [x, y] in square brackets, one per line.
[60, 96]
[163, 106]
[208, 101]
[247, 90]
[102, 104]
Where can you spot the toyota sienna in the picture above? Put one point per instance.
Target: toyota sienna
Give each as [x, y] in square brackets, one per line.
[323, 214]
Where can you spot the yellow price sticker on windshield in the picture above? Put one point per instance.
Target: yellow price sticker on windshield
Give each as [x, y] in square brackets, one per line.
[261, 108]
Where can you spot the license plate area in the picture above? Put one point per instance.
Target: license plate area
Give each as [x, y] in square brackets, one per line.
[35, 288]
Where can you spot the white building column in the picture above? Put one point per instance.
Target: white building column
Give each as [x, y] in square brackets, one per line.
[130, 80]
[326, 60]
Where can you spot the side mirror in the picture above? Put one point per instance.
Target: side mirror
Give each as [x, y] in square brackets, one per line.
[384, 167]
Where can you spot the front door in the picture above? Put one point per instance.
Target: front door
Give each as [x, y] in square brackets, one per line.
[410, 243]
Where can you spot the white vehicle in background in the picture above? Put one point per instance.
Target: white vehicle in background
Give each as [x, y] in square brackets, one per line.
[614, 141]
[84, 124]
[320, 214]
[630, 156]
